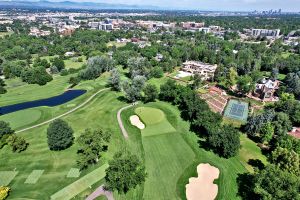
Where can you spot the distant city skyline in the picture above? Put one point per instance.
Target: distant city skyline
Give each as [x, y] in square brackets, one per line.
[224, 5]
[208, 5]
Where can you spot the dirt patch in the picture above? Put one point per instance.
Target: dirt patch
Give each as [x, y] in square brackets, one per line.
[202, 187]
[135, 121]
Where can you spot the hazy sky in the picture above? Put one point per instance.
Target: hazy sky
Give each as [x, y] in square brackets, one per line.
[244, 5]
[285, 5]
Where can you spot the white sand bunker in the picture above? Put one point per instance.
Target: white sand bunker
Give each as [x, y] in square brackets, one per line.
[135, 121]
[202, 187]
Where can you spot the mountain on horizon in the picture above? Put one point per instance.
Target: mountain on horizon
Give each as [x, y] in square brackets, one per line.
[45, 4]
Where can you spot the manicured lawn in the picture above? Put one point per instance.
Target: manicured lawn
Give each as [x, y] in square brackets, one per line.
[29, 92]
[34, 176]
[21, 118]
[7, 177]
[81, 184]
[150, 115]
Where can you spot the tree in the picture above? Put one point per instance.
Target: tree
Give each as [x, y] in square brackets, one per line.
[273, 183]
[115, 79]
[168, 91]
[91, 144]
[60, 135]
[4, 192]
[266, 132]
[58, 63]
[151, 93]
[125, 172]
[96, 66]
[133, 90]
[2, 84]
[17, 143]
[245, 84]
[197, 80]
[231, 78]
[156, 72]
[5, 129]
[224, 140]
[286, 160]
[282, 123]
[138, 66]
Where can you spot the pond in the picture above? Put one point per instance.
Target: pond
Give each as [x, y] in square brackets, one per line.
[52, 101]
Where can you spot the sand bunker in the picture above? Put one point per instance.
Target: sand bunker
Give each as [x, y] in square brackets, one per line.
[202, 187]
[135, 121]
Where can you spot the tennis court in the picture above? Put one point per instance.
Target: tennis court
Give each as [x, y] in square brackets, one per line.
[237, 110]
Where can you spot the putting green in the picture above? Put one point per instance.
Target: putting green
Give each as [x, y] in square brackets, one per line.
[150, 115]
[155, 121]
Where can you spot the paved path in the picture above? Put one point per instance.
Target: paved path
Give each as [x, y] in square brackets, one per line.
[100, 191]
[62, 115]
[124, 132]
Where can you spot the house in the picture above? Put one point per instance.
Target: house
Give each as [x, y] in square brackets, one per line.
[266, 89]
[206, 71]
[69, 54]
[295, 132]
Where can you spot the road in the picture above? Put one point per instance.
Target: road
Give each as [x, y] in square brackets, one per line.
[100, 191]
[65, 114]
[121, 125]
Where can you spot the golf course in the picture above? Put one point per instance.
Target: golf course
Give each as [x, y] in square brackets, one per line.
[168, 149]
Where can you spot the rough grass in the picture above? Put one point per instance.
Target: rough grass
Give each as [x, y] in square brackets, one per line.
[6, 177]
[34, 176]
[81, 184]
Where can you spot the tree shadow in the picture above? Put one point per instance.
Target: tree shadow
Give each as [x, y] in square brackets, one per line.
[256, 163]
[245, 186]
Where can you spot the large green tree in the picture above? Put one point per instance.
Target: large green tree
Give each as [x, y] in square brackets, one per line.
[125, 172]
[224, 140]
[91, 144]
[60, 135]
[151, 93]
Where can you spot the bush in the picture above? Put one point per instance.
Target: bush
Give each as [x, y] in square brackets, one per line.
[17, 143]
[4, 192]
[60, 135]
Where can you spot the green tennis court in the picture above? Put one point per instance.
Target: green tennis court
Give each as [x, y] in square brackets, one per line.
[237, 110]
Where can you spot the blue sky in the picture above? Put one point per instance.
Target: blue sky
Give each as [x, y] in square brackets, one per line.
[285, 5]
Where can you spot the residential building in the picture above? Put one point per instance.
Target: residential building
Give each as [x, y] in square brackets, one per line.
[192, 25]
[266, 89]
[206, 71]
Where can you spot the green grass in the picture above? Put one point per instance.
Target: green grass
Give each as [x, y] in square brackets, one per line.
[155, 121]
[6, 177]
[114, 43]
[29, 92]
[70, 63]
[73, 173]
[81, 184]
[250, 151]
[22, 118]
[150, 115]
[34, 176]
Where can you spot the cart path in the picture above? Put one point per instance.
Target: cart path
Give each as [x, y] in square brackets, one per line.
[100, 191]
[121, 125]
[65, 114]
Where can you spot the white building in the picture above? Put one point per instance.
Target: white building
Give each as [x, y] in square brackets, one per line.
[206, 71]
[265, 32]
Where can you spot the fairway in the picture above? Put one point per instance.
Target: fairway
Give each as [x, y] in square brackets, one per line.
[22, 117]
[166, 157]
[73, 173]
[80, 185]
[6, 177]
[34, 176]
